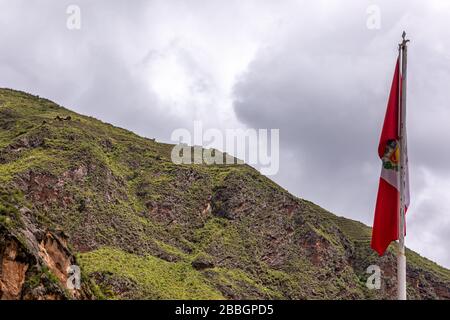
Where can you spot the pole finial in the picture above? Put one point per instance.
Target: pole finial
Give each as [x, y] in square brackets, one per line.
[405, 41]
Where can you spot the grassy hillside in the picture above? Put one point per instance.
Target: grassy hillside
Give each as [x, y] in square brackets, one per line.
[75, 190]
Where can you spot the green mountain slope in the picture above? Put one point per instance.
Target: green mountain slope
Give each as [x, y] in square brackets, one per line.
[77, 191]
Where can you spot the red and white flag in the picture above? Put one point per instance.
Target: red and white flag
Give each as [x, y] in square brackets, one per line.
[386, 221]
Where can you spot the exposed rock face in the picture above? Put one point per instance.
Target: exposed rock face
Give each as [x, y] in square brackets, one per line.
[56, 256]
[202, 263]
[75, 191]
[13, 267]
[37, 266]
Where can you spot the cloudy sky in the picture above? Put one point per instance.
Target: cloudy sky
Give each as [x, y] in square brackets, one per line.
[320, 71]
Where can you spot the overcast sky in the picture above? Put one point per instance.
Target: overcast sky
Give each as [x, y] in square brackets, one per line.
[320, 71]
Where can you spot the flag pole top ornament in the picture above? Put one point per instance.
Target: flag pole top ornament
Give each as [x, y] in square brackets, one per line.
[404, 42]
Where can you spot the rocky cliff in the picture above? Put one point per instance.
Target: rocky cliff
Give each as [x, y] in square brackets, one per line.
[78, 192]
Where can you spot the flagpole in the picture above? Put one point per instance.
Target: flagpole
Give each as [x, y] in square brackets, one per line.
[401, 257]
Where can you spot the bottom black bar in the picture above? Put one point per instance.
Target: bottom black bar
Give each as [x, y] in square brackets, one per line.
[223, 309]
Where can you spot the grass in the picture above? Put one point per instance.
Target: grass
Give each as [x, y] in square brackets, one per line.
[157, 279]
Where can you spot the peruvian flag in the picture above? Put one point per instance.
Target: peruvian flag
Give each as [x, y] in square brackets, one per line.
[386, 222]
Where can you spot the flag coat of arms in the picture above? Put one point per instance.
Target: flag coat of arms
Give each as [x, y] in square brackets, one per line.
[386, 221]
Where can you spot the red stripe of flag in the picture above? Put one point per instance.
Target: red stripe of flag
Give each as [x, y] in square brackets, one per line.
[385, 226]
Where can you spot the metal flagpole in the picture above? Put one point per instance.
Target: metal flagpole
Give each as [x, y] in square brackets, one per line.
[401, 258]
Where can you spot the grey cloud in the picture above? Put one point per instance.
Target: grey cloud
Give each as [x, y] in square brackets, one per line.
[86, 70]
